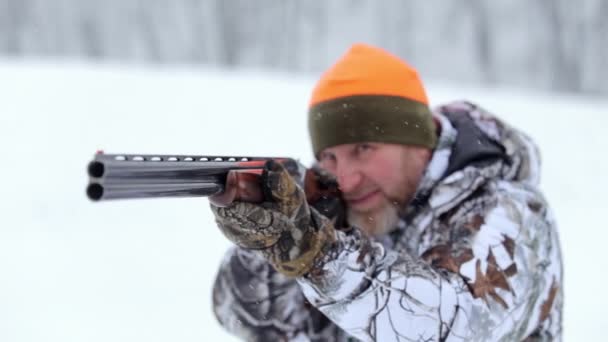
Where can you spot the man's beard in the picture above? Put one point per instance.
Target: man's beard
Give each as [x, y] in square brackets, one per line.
[379, 222]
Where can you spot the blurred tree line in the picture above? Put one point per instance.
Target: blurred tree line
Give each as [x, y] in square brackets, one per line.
[550, 44]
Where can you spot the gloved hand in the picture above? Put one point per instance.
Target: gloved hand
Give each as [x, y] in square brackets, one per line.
[283, 228]
[323, 194]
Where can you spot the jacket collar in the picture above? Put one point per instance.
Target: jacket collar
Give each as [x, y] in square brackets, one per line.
[465, 157]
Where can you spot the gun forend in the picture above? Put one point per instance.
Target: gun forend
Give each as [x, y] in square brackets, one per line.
[127, 176]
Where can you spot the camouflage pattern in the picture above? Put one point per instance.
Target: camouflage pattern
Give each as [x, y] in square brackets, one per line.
[475, 256]
[283, 229]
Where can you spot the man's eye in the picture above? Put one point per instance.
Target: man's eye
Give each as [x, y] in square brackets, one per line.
[325, 157]
[363, 148]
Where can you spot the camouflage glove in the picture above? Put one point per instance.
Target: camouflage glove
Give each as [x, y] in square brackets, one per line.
[284, 229]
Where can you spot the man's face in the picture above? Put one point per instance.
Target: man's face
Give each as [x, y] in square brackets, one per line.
[376, 179]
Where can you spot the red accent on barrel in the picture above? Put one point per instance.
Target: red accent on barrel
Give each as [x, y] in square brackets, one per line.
[252, 163]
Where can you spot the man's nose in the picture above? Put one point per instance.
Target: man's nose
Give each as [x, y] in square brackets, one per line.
[348, 178]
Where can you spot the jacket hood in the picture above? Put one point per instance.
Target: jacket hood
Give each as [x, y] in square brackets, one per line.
[483, 139]
[473, 147]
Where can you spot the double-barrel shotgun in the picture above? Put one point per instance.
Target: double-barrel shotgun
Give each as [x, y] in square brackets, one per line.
[222, 178]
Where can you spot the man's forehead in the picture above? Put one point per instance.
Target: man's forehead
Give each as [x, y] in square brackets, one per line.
[348, 147]
[338, 148]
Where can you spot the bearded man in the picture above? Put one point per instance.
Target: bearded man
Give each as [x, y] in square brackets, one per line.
[447, 236]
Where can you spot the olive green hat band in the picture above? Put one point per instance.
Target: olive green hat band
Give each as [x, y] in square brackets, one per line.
[370, 118]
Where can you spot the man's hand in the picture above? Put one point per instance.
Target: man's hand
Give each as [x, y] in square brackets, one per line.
[323, 194]
[283, 228]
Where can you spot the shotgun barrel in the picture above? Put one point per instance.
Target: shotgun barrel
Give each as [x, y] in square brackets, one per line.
[127, 176]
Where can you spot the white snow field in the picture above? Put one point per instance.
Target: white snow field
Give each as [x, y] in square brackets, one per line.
[73, 270]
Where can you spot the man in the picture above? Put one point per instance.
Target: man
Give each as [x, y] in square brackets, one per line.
[447, 236]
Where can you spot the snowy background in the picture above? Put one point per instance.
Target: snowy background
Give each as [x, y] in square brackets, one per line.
[545, 44]
[72, 270]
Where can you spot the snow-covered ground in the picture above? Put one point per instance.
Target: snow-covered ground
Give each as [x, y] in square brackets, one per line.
[72, 270]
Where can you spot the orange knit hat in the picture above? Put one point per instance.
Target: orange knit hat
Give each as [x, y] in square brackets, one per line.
[370, 95]
[367, 70]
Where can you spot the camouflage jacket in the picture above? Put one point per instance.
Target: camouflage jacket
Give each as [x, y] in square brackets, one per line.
[475, 256]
